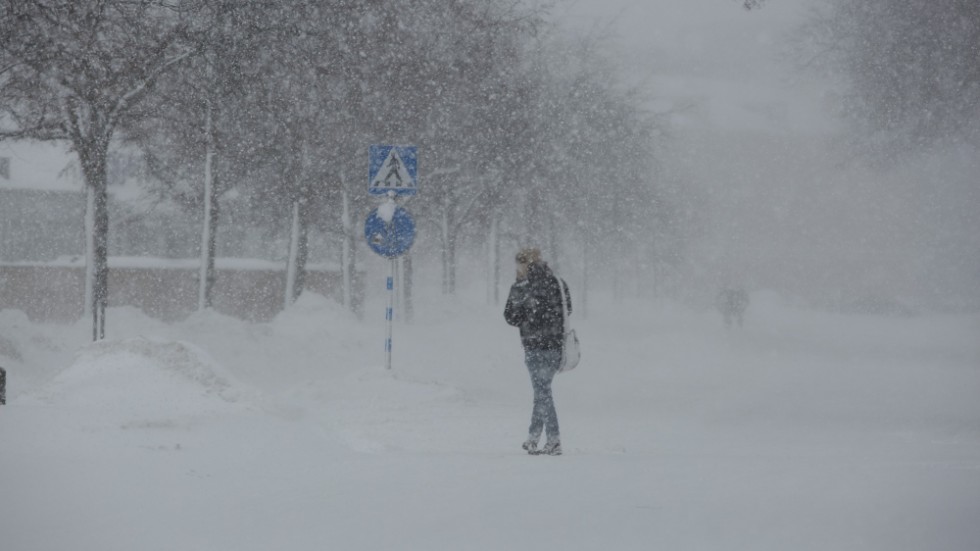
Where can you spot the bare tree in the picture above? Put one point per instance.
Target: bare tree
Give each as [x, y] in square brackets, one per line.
[910, 67]
[198, 131]
[75, 71]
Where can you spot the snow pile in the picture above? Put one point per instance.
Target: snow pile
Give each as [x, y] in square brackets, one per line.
[34, 353]
[386, 211]
[143, 378]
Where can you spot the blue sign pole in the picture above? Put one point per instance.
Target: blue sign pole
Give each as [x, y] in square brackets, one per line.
[389, 229]
[390, 312]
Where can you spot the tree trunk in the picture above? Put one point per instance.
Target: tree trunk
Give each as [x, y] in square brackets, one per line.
[303, 249]
[92, 157]
[210, 274]
[100, 297]
[298, 252]
[535, 228]
[527, 232]
[449, 234]
[208, 241]
[452, 263]
[493, 260]
[444, 229]
[291, 257]
[586, 258]
[347, 251]
[89, 250]
[553, 242]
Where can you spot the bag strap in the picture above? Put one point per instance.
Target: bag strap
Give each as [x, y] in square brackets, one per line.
[564, 304]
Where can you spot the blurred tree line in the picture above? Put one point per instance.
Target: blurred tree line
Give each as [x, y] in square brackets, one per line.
[526, 135]
[911, 70]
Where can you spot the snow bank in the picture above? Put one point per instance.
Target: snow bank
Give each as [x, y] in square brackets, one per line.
[153, 381]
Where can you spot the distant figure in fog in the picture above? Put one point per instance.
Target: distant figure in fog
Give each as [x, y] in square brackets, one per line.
[732, 302]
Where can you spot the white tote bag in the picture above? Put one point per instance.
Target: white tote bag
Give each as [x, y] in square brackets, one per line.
[570, 354]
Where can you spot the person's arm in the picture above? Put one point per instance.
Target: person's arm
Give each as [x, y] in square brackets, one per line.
[515, 311]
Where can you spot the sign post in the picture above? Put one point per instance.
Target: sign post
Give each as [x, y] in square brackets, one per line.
[389, 229]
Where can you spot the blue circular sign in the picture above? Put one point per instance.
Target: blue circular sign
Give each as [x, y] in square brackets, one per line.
[390, 239]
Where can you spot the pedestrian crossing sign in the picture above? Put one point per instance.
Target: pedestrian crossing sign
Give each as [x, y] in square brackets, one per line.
[393, 168]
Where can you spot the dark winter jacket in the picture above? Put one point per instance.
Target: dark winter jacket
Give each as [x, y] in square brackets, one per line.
[534, 306]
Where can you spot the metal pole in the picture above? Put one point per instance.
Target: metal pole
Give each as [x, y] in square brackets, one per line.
[3, 386]
[407, 287]
[389, 313]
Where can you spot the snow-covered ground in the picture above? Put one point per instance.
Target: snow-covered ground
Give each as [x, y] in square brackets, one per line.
[804, 430]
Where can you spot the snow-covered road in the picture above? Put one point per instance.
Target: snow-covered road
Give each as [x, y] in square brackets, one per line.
[804, 430]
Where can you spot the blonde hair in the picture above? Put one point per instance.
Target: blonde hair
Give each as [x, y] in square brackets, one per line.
[528, 255]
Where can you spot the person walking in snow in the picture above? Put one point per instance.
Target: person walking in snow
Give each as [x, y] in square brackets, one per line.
[534, 306]
[732, 302]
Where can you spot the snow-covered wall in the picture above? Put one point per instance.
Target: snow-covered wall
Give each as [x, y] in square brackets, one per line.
[162, 288]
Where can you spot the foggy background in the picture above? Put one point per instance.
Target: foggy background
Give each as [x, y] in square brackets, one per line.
[822, 154]
[785, 197]
[650, 148]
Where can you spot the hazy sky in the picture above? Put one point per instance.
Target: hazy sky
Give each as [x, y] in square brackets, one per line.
[714, 52]
[782, 203]
[696, 37]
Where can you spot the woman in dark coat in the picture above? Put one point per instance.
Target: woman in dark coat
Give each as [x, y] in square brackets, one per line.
[534, 306]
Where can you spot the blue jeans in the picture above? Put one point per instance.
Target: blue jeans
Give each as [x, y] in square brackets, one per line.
[542, 365]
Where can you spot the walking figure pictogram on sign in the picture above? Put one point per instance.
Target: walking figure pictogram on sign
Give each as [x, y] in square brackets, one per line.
[393, 168]
[394, 163]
